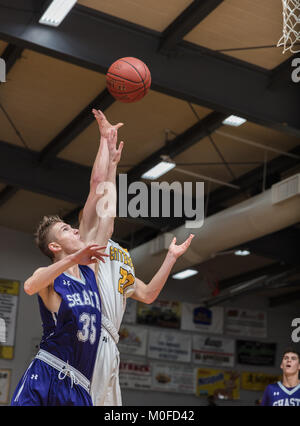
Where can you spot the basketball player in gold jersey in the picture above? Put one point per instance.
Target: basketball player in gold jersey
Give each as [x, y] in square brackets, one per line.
[116, 278]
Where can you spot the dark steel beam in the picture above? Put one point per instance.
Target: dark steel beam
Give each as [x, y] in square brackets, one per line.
[273, 269]
[281, 75]
[285, 299]
[10, 55]
[282, 246]
[94, 40]
[185, 22]
[64, 180]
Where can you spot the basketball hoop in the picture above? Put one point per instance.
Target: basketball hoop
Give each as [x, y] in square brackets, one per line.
[291, 26]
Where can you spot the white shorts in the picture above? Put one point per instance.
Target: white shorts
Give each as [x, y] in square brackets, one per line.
[105, 387]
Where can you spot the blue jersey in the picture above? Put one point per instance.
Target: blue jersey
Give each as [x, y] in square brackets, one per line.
[278, 395]
[72, 334]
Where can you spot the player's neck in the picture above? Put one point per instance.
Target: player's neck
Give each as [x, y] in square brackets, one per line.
[290, 381]
[74, 271]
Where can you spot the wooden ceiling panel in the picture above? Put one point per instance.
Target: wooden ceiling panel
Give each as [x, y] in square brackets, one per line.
[239, 24]
[154, 14]
[143, 131]
[42, 95]
[25, 209]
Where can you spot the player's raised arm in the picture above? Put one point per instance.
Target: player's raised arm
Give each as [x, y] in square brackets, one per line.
[106, 207]
[89, 219]
[43, 277]
[147, 293]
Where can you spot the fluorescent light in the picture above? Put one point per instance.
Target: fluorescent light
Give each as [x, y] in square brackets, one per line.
[184, 274]
[159, 170]
[242, 252]
[234, 120]
[56, 12]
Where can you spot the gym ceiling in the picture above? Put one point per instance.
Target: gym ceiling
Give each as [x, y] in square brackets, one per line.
[209, 59]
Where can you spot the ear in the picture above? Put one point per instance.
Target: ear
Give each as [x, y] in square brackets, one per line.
[54, 247]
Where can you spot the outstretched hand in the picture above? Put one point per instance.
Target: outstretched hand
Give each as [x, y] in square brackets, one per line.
[179, 250]
[104, 124]
[90, 254]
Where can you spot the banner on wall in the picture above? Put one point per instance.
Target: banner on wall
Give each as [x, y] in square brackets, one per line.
[199, 318]
[173, 378]
[208, 350]
[133, 340]
[168, 345]
[223, 385]
[255, 353]
[135, 374]
[130, 311]
[9, 295]
[160, 313]
[258, 381]
[245, 322]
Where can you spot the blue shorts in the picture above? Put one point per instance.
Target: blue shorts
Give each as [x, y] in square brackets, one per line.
[40, 385]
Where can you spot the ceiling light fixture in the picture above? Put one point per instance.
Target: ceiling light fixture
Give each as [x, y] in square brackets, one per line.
[160, 169]
[184, 274]
[234, 120]
[242, 252]
[56, 12]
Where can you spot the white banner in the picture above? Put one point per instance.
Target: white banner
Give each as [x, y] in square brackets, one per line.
[169, 345]
[173, 378]
[245, 322]
[133, 340]
[216, 351]
[199, 318]
[135, 374]
[130, 311]
[4, 385]
[9, 295]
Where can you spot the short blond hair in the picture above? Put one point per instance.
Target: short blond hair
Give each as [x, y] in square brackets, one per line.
[43, 232]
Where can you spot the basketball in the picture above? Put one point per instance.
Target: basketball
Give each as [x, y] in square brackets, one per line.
[128, 79]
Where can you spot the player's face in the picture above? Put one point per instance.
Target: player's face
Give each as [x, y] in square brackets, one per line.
[290, 363]
[67, 238]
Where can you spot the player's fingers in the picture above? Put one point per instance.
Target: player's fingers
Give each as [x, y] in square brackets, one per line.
[100, 254]
[117, 126]
[102, 116]
[94, 247]
[100, 257]
[120, 147]
[189, 240]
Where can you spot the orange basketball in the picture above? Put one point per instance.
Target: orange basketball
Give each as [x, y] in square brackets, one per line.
[128, 79]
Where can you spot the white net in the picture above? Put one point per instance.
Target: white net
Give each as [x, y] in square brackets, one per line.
[290, 39]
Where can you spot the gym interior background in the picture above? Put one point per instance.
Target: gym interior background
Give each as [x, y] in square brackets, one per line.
[208, 60]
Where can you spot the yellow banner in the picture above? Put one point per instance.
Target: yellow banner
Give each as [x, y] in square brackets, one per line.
[257, 381]
[222, 384]
[9, 287]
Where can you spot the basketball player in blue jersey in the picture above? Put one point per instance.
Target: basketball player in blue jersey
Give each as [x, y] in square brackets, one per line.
[116, 278]
[287, 392]
[70, 308]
